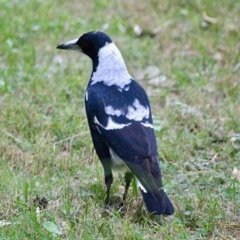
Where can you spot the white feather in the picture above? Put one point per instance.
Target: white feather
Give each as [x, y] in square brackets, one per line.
[111, 125]
[114, 112]
[147, 124]
[137, 112]
[141, 186]
[111, 69]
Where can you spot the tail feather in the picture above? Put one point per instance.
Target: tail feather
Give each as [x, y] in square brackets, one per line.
[156, 206]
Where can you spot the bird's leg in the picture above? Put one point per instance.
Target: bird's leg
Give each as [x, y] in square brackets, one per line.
[128, 178]
[108, 181]
[106, 163]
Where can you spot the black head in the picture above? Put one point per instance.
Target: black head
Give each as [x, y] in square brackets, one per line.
[89, 43]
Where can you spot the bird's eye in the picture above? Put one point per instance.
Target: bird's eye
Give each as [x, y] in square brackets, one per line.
[84, 44]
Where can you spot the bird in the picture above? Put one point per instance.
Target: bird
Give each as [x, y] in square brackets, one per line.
[120, 122]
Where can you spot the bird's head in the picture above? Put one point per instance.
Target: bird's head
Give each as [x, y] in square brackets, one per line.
[89, 43]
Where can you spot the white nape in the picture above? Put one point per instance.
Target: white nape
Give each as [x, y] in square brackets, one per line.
[111, 69]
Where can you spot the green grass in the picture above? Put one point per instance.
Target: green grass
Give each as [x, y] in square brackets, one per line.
[45, 146]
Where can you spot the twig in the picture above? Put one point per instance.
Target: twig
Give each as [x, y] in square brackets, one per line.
[67, 139]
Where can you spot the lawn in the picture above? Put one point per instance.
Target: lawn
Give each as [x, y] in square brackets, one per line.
[186, 54]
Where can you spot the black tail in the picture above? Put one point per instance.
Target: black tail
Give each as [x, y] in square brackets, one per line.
[157, 207]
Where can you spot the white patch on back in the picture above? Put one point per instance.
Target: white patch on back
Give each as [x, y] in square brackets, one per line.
[114, 112]
[111, 125]
[111, 68]
[137, 112]
[86, 96]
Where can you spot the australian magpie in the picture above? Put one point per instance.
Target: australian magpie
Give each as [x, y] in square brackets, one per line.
[120, 121]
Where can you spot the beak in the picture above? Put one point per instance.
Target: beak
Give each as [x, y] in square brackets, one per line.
[70, 45]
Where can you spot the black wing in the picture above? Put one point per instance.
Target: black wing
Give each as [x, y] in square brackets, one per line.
[124, 123]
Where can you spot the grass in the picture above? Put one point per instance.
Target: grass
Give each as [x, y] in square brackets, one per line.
[45, 146]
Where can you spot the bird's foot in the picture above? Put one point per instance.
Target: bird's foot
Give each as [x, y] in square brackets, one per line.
[157, 219]
[107, 207]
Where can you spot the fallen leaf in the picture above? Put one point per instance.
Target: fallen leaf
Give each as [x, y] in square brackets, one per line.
[121, 189]
[140, 32]
[148, 73]
[218, 56]
[51, 227]
[137, 30]
[235, 140]
[4, 223]
[236, 173]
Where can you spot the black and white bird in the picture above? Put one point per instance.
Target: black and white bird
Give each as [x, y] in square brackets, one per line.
[120, 121]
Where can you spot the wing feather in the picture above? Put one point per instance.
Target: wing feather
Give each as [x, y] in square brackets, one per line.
[132, 138]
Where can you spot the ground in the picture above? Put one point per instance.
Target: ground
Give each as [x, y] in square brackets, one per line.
[184, 53]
